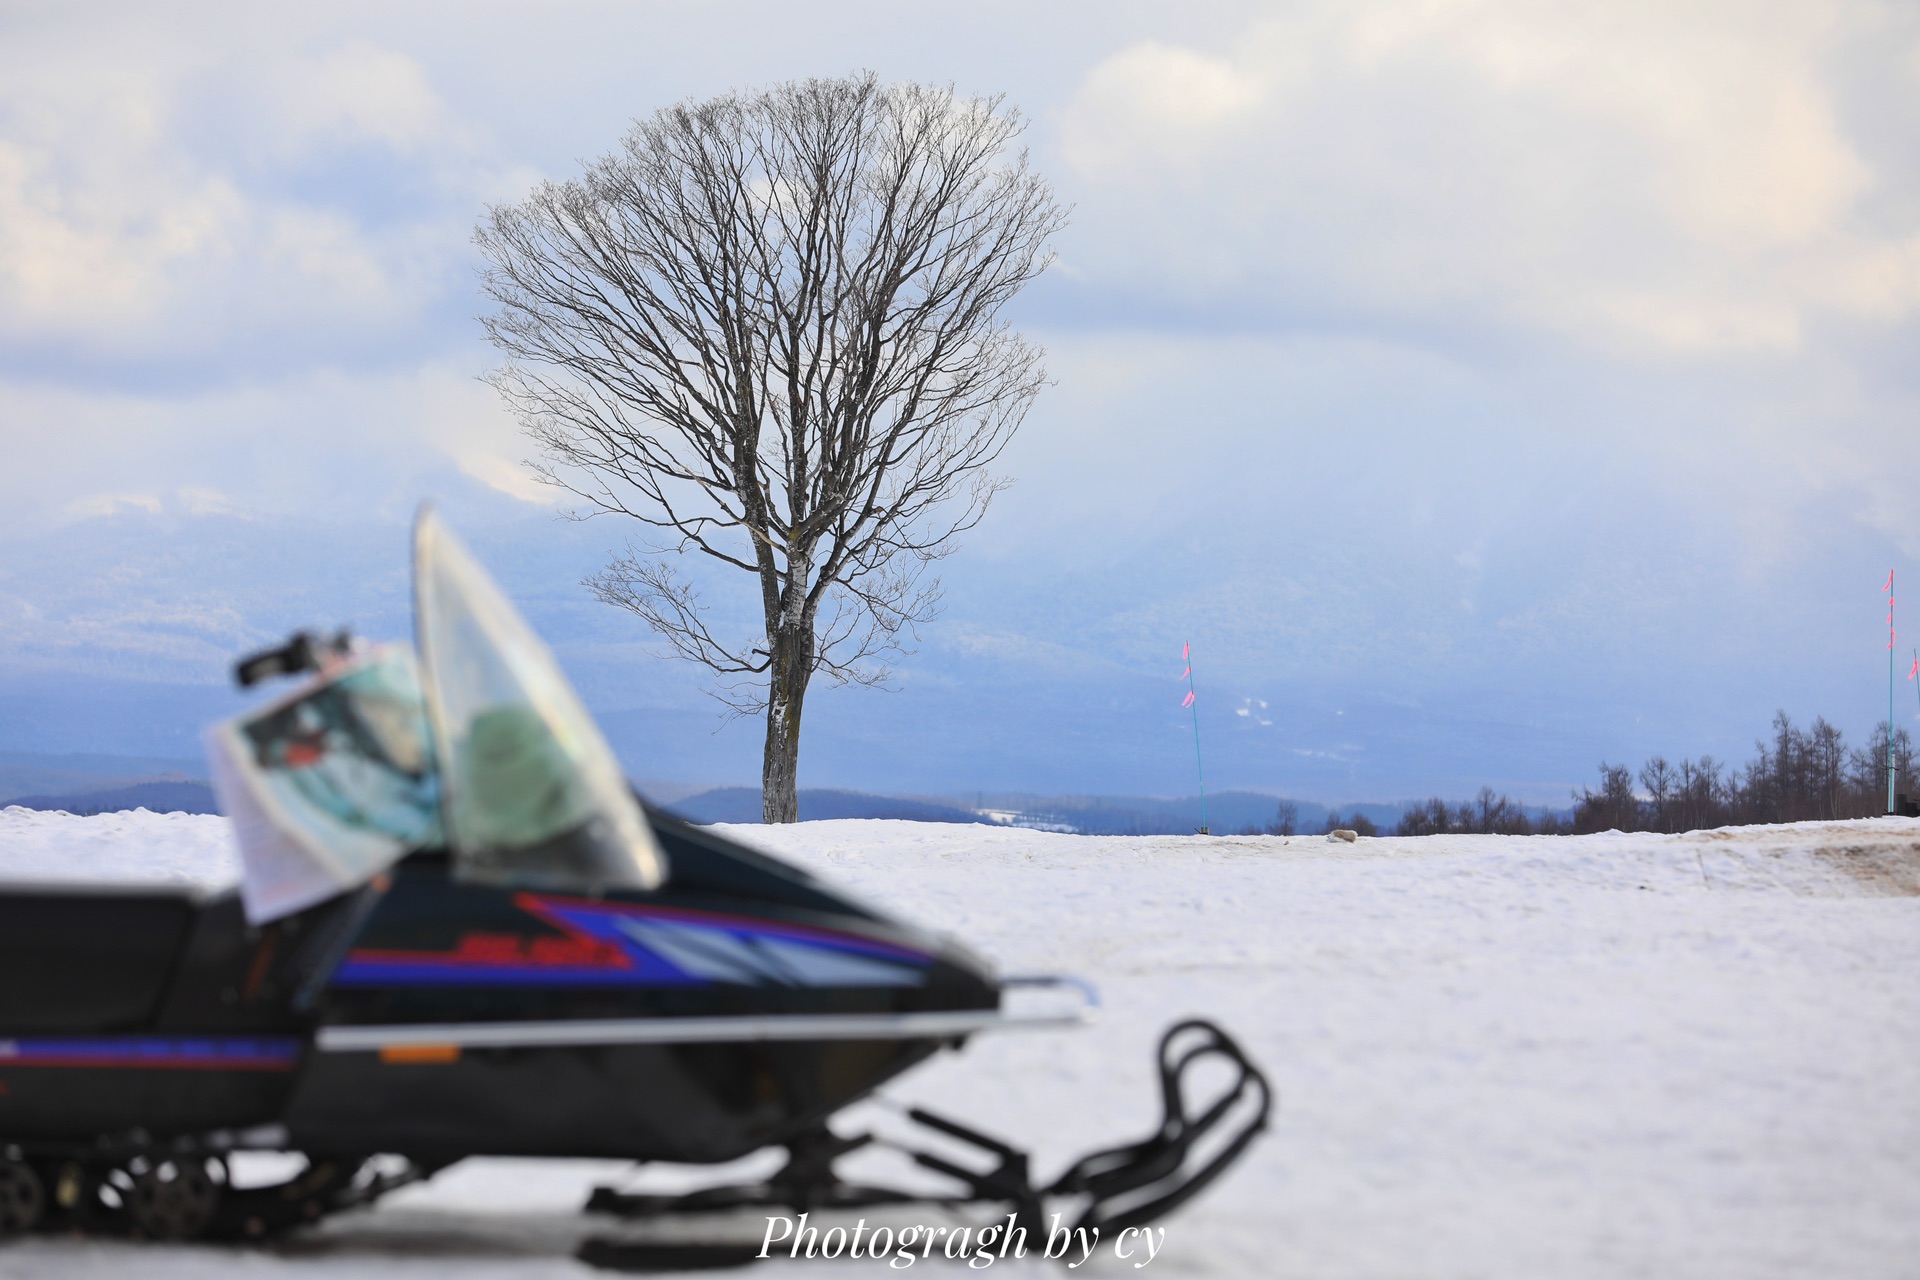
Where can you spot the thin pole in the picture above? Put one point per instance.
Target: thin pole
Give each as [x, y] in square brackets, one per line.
[1890, 804]
[1193, 704]
[1913, 674]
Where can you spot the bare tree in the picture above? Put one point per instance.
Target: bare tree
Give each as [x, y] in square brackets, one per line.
[1425, 818]
[768, 329]
[1661, 782]
[1869, 769]
[1614, 807]
[1700, 793]
[1499, 815]
[1827, 766]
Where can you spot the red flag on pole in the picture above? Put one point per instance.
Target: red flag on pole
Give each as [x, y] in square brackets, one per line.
[1186, 656]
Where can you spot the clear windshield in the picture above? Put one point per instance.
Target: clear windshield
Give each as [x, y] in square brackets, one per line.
[533, 794]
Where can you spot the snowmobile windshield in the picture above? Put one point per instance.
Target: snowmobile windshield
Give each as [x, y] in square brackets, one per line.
[330, 784]
[532, 795]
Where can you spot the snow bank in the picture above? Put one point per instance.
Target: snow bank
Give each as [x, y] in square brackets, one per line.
[1682, 1056]
[171, 848]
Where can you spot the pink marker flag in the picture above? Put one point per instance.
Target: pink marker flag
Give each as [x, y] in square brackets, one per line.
[1186, 673]
[1916, 667]
[1186, 650]
[1188, 700]
[1889, 585]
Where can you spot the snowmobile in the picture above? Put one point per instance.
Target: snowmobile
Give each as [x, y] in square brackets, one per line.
[459, 932]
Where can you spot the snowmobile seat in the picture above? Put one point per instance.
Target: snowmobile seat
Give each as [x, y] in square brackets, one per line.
[79, 958]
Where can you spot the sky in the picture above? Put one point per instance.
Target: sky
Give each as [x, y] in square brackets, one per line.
[1484, 390]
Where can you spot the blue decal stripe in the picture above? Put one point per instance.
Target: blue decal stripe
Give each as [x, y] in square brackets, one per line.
[585, 913]
[603, 944]
[153, 1053]
[428, 970]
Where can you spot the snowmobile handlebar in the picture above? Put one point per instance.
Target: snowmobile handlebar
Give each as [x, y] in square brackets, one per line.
[303, 651]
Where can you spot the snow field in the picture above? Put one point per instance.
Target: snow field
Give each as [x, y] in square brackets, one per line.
[1596, 1056]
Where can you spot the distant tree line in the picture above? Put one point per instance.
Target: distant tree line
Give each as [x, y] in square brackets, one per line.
[1286, 822]
[1485, 814]
[1796, 775]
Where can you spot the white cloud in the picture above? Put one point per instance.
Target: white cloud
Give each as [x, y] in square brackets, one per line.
[465, 420]
[340, 444]
[1640, 177]
[203, 200]
[1152, 100]
[80, 257]
[377, 92]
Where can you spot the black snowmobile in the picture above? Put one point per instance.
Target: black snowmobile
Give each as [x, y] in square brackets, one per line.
[459, 933]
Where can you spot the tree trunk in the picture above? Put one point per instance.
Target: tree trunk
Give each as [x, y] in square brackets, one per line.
[787, 677]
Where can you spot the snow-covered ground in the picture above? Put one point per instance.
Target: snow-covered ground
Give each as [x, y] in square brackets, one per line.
[1598, 1056]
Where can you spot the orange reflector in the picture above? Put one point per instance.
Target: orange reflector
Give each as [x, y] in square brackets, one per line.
[416, 1055]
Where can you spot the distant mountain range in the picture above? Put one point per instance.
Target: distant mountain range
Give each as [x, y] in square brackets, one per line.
[32, 774]
[107, 784]
[156, 797]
